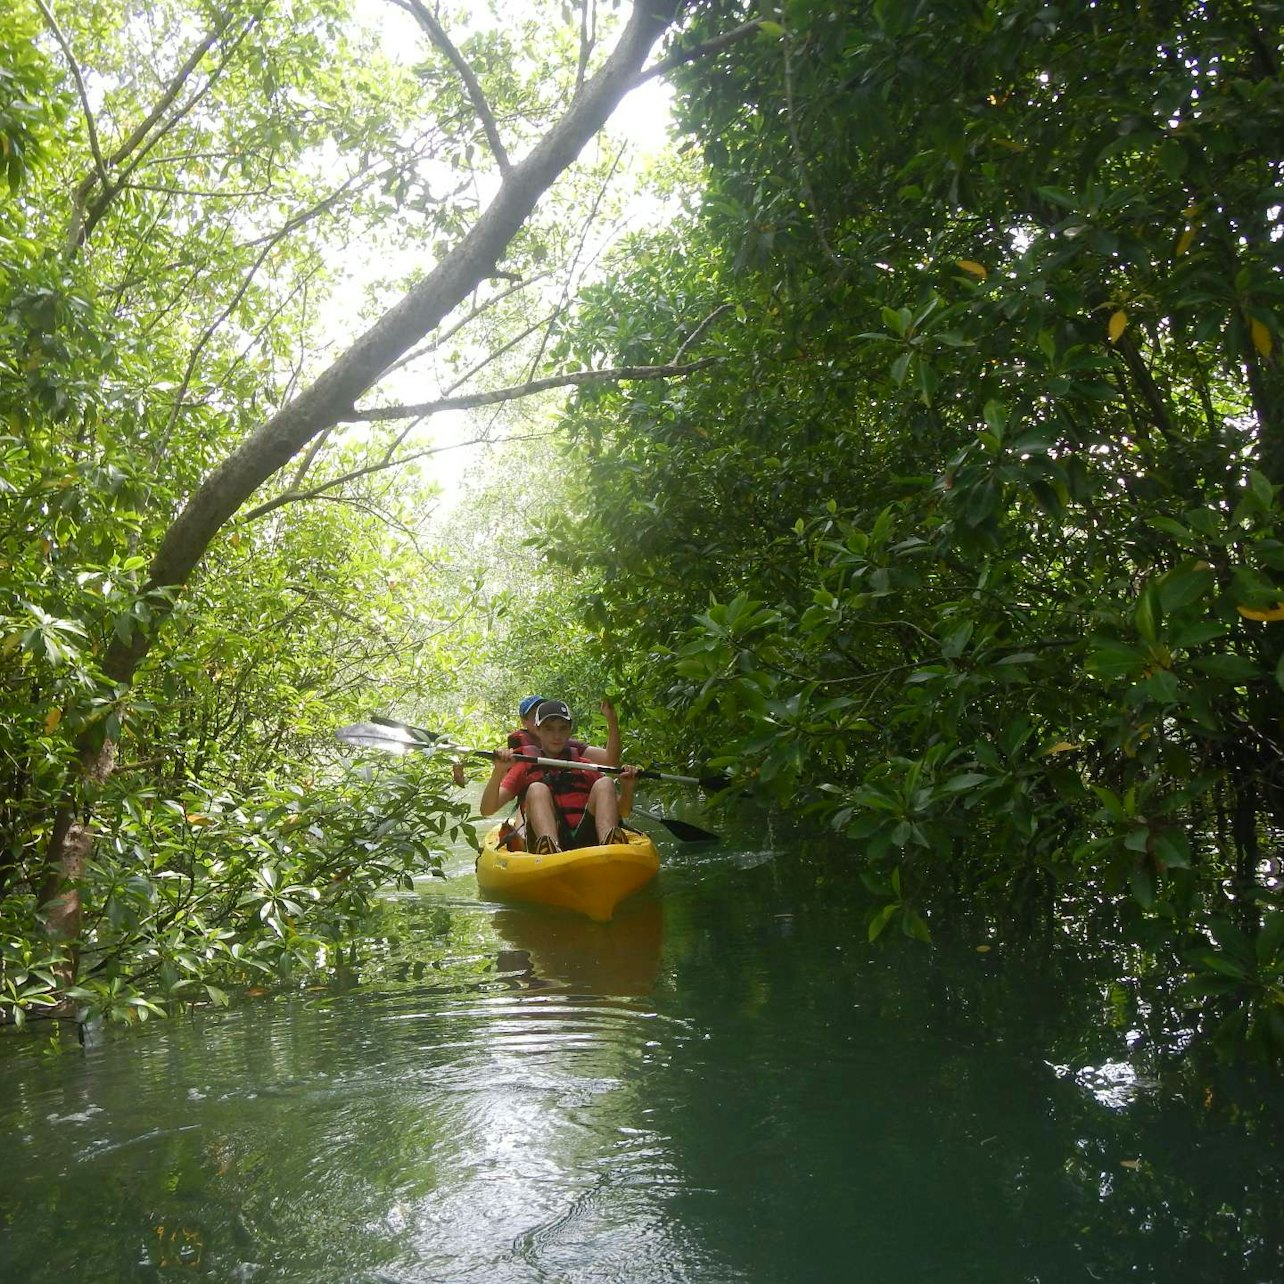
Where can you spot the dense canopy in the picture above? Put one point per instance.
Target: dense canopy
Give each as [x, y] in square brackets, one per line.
[929, 482]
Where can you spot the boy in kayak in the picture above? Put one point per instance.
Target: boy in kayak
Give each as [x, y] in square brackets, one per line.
[564, 808]
[526, 739]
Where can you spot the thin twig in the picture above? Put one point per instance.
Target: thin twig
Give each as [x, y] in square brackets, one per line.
[804, 179]
[696, 334]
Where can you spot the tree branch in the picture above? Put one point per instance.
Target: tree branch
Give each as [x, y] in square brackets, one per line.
[173, 89]
[575, 378]
[100, 165]
[144, 138]
[422, 309]
[698, 333]
[437, 34]
[704, 50]
[444, 336]
[296, 496]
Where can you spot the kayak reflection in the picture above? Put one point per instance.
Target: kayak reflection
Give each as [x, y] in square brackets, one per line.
[548, 949]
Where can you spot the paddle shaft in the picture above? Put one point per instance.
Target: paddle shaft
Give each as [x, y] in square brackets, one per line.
[418, 738]
[578, 764]
[384, 733]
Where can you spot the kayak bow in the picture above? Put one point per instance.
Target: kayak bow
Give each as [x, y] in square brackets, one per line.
[589, 880]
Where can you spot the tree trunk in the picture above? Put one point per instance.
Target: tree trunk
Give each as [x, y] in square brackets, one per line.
[331, 396]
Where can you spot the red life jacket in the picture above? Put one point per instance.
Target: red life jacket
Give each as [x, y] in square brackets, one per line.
[570, 788]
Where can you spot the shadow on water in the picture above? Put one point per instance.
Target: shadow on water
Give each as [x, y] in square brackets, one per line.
[726, 1084]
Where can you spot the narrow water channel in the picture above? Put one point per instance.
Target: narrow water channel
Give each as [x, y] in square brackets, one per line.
[726, 1084]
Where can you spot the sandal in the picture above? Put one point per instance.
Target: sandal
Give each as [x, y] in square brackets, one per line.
[544, 846]
[617, 837]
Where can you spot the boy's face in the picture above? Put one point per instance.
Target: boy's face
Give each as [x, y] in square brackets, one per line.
[553, 733]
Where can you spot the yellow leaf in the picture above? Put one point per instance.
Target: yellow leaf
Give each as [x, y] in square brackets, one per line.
[1184, 241]
[1262, 338]
[52, 719]
[1134, 1164]
[234, 539]
[1275, 612]
[1118, 324]
[1063, 746]
[983, 949]
[974, 268]
[195, 818]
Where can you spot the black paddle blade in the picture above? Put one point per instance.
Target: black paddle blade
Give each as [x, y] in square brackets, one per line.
[714, 783]
[685, 831]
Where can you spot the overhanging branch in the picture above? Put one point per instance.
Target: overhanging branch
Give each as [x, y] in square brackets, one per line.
[575, 378]
[705, 49]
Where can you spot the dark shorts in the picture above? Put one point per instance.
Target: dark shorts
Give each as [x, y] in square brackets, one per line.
[583, 835]
[516, 838]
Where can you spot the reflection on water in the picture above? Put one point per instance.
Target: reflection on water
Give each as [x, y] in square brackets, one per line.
[618, 958]
[724, 1084]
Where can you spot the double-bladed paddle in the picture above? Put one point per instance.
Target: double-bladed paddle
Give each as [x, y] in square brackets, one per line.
[399, 737]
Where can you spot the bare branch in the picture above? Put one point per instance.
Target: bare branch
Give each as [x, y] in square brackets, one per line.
[437, 34]
[698, 333]
[588, 38]
[295, 496]
[575, 378]
[709, 47]
[589, 219]
[84, 220]
[99, 164]
[269, 243]
[173, 89]
[804, 178]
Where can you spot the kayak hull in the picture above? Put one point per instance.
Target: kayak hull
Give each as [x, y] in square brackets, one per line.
[588, 880]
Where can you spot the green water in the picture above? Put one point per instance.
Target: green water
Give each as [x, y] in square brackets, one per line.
[726, 1084]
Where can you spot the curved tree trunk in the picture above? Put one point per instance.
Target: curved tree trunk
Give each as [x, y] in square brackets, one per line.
[328, 399]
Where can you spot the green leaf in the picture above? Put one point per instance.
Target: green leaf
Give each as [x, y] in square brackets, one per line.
[965, 780]
[1149, 613]
[1110, 658]
[1227, 667]
[1270, 940]
[1183, 586]
[1142, 881]
[881, 920]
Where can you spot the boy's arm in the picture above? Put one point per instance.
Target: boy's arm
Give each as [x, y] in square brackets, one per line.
[610, 755]
[628, 780]
[494, 796]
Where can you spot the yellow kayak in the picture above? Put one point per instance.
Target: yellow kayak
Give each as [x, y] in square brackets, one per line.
[590, 880]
